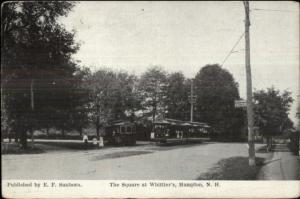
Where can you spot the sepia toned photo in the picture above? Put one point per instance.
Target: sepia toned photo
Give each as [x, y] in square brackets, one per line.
[109, 99]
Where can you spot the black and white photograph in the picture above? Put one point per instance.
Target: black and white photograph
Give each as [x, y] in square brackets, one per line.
[170, 94]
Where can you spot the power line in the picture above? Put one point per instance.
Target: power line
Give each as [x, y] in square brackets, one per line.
[232, 50]
[273, 10]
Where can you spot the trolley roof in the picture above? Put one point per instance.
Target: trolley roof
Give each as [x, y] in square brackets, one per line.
[174, 122]
[121, 123]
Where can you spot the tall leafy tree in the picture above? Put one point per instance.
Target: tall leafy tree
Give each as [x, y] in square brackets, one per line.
[177, 100]
[81, 95]
[36, 65]
[271, 111]
[113, 96]
[152, 90]
[216, 90]
[298, 115]
[101, 85]
[127, 101]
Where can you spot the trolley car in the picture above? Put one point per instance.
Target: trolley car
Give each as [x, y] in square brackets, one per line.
[170, 130]
[121, 132]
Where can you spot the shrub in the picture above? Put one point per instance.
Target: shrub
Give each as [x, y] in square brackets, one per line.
[294, 142]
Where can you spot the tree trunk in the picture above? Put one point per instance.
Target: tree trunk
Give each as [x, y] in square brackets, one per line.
[97, 129]
[269, 143]
[23, 139]
[154, 113]
[32, 140]
[63, 131]
[80, 131]
[17, 133]
[153, 116]
[9, 137]
[98, 121]
[47, 131]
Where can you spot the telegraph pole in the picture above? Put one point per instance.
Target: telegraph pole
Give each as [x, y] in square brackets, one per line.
[249, 88]
[32, 109]
[98, 120]
[192, 100]
[32, 95]
[298, 112]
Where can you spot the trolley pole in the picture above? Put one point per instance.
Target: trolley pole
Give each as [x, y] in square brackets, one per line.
[249, 88]
[192, 100]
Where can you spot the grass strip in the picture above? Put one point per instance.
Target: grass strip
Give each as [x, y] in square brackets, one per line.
[234, 168]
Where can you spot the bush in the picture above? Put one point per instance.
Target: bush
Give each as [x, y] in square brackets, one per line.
[294, 142]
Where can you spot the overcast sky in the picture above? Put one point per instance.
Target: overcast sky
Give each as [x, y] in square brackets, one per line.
[185, 36]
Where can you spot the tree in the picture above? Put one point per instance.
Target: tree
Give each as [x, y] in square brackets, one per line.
[151, 87]
[36, 65]
[101, 86]
[81, 93]
[127, 101]
[215, 91]
[177, 101]
[4, 122]
[298, 114]
[271, 112]
[113, 96]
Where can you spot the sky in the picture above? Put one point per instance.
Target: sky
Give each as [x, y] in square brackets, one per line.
[185, 36]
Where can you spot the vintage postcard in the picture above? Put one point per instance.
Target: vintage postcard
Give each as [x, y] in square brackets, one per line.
[150, 99]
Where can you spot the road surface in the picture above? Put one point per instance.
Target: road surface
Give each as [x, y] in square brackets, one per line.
[141, 162]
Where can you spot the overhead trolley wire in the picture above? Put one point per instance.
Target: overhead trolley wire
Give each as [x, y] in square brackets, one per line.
[232, 50]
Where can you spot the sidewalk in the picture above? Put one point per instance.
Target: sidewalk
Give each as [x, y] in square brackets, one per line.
[281, 165]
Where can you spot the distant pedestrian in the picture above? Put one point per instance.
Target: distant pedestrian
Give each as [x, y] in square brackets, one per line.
[101, 142]
[85, 141]
[152, 135]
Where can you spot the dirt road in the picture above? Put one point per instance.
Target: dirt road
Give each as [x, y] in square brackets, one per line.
[141, 162]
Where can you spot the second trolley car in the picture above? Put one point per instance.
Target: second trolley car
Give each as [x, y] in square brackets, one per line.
[170, 130]
[120, 133]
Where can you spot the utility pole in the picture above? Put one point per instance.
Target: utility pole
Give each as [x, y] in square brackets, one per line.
[249, 88]
[98, 120]
[98, 112]
[32, 95]
[32, 109]
[192, 100]
[298, 112]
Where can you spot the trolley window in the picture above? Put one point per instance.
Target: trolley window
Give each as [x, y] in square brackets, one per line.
[123, 129]
[128, 129]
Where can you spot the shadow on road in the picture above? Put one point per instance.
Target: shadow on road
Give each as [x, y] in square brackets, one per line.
[53, 147]
[271, 161]
[119, 155]
[14, 149]
[172, 146]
